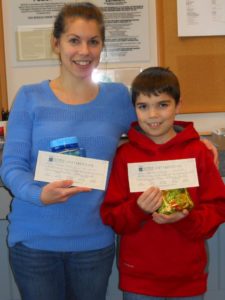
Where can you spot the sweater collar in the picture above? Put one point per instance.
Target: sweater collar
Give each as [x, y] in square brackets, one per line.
[185, 133]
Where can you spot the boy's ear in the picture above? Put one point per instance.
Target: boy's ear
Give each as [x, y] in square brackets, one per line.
[178, 106]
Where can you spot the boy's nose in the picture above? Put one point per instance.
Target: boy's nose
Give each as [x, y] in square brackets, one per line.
[152, 113]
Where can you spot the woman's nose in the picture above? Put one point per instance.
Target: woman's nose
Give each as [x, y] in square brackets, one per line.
[84, 49]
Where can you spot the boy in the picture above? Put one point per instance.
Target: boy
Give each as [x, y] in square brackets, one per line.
[162, 255]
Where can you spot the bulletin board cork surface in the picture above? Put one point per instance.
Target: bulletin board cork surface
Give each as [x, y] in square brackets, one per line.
[199, 62]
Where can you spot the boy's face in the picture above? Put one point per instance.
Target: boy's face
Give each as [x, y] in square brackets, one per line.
[156, 115]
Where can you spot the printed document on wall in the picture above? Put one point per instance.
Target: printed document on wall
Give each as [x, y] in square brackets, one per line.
[127, 31]
[201, 17]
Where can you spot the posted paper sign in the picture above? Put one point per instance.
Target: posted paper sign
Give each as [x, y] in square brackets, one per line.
[85, 172]
[201, 17]
[167, 174]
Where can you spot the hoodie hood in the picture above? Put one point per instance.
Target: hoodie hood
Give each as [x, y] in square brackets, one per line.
[185, 134]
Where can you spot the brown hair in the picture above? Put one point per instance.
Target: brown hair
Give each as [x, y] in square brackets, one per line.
[155, 81]
[85, 10]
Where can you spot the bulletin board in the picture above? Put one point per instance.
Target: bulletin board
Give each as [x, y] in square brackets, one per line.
[199, 62]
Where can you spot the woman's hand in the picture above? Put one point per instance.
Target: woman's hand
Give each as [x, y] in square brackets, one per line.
[150, 200]
[214, 151]
[168, 219]
[60, 191]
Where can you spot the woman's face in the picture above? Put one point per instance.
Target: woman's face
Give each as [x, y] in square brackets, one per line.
[79, 47]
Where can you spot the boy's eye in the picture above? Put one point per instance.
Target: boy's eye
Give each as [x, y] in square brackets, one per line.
[164, 104]
[141, 106]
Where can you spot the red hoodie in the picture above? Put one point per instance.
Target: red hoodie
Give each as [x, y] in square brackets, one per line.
[167, 260]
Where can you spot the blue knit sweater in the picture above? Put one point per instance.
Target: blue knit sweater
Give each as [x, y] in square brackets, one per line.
[37, 116]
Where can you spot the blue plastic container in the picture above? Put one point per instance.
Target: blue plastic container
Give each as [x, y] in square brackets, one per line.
[68, 146]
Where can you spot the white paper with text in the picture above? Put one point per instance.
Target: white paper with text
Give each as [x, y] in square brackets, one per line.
[85, 172]
[167, 174]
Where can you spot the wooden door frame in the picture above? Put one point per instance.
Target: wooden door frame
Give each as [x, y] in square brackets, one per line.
[3, 82]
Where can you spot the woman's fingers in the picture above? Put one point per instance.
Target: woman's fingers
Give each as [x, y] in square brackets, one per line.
[60, 191]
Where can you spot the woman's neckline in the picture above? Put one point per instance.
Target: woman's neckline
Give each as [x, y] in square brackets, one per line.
[82, 97]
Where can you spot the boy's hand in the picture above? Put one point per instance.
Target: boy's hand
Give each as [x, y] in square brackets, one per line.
[150, 200]
[168, 219]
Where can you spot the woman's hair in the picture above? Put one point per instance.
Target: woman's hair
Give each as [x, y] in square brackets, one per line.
[155, 81]
[85, 10]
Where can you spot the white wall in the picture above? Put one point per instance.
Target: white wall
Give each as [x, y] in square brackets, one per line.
[17, 76]
[205, 122]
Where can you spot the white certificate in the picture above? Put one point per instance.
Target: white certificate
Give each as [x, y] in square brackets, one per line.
[167, 174]
[85, 172]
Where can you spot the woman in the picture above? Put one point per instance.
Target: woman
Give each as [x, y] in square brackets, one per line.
[59, 247]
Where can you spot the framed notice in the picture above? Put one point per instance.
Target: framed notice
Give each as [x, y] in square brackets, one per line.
[127, 30]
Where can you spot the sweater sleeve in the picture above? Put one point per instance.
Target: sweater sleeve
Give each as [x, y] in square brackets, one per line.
[129, 112]
[209, 212]
[119, 208]
[16, 169]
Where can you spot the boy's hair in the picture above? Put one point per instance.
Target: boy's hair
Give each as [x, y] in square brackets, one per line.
[155, 81]
[85, 10]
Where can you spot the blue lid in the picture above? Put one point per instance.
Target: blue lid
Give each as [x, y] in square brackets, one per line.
[64, 141]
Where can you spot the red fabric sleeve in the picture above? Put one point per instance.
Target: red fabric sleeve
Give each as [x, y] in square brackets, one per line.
[209, 212]
[119, 209]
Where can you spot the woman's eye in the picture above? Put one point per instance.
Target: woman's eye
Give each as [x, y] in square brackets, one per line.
[94, 42]
[74, 41]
